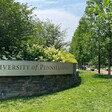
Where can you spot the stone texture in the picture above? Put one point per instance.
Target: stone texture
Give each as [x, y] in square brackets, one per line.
[29, 85]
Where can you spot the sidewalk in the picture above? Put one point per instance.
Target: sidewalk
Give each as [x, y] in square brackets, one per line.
[101, 71]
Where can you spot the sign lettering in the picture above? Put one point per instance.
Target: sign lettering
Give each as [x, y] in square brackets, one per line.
[25, 68]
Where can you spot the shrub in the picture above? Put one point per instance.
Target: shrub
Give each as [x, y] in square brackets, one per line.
[53, 54]
[39, 53]
[33, 52]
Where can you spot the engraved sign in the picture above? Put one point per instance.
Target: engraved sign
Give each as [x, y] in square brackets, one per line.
[29, 68]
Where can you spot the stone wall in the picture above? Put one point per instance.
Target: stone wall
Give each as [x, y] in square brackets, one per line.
[14, 86]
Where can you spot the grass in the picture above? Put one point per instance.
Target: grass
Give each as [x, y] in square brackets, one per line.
[94, 94]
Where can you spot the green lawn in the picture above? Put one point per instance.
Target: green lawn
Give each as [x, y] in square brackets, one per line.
[94, 94]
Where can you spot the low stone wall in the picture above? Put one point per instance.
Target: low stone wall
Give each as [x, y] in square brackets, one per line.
[14, 86]
[26, 78]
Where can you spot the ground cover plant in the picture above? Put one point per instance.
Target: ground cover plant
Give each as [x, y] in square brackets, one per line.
[92, 95]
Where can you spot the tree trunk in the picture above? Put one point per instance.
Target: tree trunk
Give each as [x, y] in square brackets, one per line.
[99, 60]
[109, 52]
[109, 60]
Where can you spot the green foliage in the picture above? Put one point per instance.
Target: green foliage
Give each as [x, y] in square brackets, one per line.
[33, 52]
[61, 55]
[39, 53]
[93, 95]
[80, 45]
[93, 37]
[20, 30]
[50, 34]
[16, 24]
[13, 54]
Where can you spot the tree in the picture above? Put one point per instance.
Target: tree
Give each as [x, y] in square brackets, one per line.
[99, 13]
[99, 33]
[19, 28]
[80, 45]
[50, 34]
[16, 24]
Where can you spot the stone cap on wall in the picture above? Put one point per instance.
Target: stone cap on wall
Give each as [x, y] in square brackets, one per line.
[33, 68]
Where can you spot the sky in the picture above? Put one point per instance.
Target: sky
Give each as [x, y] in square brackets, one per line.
[65, 13]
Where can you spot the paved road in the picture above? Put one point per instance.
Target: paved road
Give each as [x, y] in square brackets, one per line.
[102, 71]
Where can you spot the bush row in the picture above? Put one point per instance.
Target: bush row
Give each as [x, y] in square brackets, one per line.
[39, 53]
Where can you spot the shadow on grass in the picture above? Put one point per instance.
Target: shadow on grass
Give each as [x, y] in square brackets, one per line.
[25, 98]
[102, 76]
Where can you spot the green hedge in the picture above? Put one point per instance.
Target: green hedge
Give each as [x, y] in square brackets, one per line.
[39, 53]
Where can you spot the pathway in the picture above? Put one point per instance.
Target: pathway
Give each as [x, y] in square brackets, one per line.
[102, 71]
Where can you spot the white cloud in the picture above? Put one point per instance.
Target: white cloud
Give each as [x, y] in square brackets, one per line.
[59, 16]
[66, 19]
[44, 1]
[22, 1]
[78, 5]
[38, 1]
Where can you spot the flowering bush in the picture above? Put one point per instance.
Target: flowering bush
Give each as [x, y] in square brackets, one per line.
[61, 55]
[39, 53]
[33, 52]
